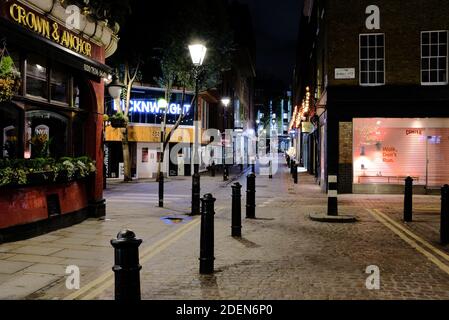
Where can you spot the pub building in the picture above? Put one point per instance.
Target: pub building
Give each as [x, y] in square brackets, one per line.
[372, 94]
[61, 97]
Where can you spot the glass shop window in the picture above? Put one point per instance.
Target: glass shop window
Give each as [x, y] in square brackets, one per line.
[36, 76]
[59, 84]
[48, 134]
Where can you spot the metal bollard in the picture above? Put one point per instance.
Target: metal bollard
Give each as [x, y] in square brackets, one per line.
[212, 169]
[251, 197]
[161, 189]
[237, 210]
[292, 167]
[332, 196]
[127, 267]
[444, 227]
[207, 235]
[196, 196]
[295, 173]
[288, 161]
[270, 174]
[225, 173]
[408, 200]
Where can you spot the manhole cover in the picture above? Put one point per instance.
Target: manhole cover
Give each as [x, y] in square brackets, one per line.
[175, 220]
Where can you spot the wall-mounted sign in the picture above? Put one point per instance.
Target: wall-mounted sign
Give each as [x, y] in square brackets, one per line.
[344, 73]
[151, 106]
[49, 29]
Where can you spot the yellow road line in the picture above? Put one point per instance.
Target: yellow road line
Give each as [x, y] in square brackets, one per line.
[145, 255]
[411, 242]
[414, 236]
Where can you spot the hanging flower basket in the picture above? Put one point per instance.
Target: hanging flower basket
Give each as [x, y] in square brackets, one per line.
[118, 120]
[9, 77]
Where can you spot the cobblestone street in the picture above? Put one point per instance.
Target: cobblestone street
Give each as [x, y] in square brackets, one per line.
[282, 254]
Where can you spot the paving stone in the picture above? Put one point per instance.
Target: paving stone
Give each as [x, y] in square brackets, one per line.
[34, 258]
[43, 268]
[20, 287]
[36, 250]
[11, 267]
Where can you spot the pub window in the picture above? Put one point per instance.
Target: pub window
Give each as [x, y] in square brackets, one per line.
[47, 133]
[434, 47]
[59, 82]
[372, 59]
[9, 131]
[36, 76]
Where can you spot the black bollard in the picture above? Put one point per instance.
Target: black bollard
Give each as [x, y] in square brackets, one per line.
[292, 167]
[225, 173]
[295, 173]
[288, 161]
[332, 196]
[241, 167]
[212, 171]
[251, 197]
[237, 210]
[408, 200]
[127, 267]
[161, 189]
[196, 196]
[444, 227]
[207, 235]
[270, 174]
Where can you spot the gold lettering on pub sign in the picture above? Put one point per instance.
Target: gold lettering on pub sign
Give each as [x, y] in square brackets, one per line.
[51, 31]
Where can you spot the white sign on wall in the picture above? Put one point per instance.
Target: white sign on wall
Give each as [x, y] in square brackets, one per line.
[344, 73]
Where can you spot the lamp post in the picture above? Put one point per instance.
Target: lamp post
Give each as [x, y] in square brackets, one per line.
[225, 102]
[197, 53]
[115, 89]
[162, 104]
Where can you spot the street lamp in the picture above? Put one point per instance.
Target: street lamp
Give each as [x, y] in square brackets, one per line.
[225, 102]
[162, 105]
[115, 89]
[198, 54]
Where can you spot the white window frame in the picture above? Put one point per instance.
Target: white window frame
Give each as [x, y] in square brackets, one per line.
[360, 60]
[438, 83]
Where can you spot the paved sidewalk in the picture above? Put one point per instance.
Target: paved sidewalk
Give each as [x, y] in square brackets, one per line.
[282, 255]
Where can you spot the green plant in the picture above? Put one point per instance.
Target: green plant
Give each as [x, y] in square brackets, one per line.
[9, 78]
[12, 176]
[17, 171]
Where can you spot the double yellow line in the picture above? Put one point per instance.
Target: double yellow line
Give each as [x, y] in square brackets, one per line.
[416, 242]
[96, 287]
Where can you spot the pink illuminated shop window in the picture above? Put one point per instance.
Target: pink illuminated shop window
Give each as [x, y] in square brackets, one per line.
[388, 150]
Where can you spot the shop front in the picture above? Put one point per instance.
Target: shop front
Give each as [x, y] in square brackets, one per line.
[51, 128]
[387, 150]
[144, 134]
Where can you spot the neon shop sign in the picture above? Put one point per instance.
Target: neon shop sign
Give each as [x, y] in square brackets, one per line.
[153, 106]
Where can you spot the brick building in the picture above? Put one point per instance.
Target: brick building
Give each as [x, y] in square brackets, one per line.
[371, 83]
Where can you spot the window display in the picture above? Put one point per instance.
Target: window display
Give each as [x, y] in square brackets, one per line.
[386, 151]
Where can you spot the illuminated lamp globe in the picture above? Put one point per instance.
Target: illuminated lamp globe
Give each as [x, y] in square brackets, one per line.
[115, 88]
[197, 53]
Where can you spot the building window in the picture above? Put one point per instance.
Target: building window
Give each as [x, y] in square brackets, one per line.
[59, 82]
[372, 59]
[36, 76]
[434, 47]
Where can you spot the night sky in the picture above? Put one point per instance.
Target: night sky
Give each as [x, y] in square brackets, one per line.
[276, 26]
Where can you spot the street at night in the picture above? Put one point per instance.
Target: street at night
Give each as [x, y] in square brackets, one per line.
[230, 158]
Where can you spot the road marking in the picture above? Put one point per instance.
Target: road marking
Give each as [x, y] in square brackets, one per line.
[414, 236]
[403, 235]
[107, 278]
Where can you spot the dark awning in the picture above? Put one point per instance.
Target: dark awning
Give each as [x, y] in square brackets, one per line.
[30, 41]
